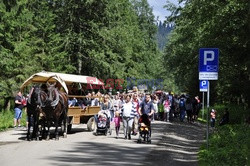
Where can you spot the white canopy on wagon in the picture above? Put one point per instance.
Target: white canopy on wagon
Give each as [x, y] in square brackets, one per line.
[63, 79]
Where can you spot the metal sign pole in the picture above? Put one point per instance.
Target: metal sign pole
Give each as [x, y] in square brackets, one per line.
[208, 70]
[208, 89]
[203, 105]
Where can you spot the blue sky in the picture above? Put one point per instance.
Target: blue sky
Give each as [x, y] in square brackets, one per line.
[158, 9]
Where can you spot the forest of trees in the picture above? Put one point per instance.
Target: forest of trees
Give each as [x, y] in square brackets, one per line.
[162, 34]
[118, 39]
[102, 38]
[211, 24]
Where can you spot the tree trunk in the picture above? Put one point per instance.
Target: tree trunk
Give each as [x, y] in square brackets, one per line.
[7, 103]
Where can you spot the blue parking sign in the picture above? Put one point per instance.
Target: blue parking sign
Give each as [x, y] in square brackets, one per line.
[203, 85]
[208, 63]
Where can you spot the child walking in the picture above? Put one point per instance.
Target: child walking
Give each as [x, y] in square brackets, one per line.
[167, 106]
[117, 120]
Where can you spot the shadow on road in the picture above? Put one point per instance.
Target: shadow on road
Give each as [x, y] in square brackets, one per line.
[179, 145]
[94, 153]
[174, 144]
[23, 132]
[111, 151]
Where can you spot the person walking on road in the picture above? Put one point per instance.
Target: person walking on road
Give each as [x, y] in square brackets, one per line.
[167, 105]
[117, 121]
[189, 110]
[197, 107]
[146, 107]
[182, 107]
[136, 103]
[18, 109]
[156, 109]
[128, 113]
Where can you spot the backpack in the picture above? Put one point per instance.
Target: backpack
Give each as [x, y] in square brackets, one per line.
[182, 104]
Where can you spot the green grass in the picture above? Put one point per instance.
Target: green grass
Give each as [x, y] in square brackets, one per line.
[7, 119]
[236, 113]
[229, 144]
[202, 120]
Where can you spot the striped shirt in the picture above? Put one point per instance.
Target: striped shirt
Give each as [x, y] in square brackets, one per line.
[128, 110]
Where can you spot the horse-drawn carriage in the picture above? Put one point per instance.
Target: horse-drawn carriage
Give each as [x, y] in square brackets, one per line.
[48, 101]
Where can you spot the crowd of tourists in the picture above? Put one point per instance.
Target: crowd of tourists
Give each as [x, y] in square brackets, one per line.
[128, 107]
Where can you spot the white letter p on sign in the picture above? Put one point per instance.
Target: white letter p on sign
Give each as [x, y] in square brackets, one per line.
[206, 58]
[203, 83]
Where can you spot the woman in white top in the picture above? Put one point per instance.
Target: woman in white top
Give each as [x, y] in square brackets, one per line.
[155, 104]
[116, 103]
[128, 113]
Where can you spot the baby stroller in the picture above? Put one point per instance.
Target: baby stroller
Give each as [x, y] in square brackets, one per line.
[103, 123]
[144, 129]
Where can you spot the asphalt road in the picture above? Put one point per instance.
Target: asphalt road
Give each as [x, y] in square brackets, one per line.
[172, 144]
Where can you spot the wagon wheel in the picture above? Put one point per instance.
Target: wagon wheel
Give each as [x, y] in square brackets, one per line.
[91, 124]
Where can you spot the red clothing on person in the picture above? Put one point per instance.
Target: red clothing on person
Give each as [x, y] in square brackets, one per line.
[136, 105]
[167, 104]
[24, 102]
[117, 121]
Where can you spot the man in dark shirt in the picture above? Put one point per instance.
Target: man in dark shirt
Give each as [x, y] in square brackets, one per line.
[147, 109]
[18, 109]
[146, 106]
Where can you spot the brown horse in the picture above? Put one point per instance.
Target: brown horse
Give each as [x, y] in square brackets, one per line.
[55, 110]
